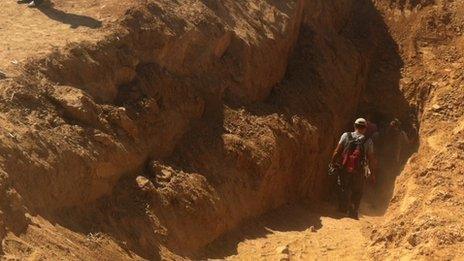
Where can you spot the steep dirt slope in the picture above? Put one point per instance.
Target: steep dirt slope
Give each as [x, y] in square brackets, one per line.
[265, 154]
[93, 116]
[184, 119]
[425, 217]
[158, 135]
[415, 72]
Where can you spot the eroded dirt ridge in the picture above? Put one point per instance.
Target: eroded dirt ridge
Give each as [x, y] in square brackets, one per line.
[189, 118]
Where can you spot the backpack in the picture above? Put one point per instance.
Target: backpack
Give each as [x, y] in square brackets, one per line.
[354, 154]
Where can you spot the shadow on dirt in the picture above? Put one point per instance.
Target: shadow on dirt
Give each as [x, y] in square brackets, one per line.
[376, 199]
[73, 20]
[121, 216]
[292, 217]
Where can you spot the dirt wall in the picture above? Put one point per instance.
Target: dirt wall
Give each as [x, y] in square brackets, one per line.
[423, 220]
[191, 118]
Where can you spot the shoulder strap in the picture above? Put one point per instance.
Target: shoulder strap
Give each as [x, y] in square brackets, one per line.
[350, 136]
[363, 140]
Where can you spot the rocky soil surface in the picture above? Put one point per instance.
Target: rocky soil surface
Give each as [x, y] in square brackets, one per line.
[151, 129]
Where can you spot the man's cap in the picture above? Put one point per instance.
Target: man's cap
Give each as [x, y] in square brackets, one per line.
[361, 121]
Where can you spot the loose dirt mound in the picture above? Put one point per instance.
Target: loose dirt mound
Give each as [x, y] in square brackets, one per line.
[146, 130]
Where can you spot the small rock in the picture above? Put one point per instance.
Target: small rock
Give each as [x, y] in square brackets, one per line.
[166, 174]
[144, 183]
[162, 172]
[2, 75]
[104, 139]
[282, 250]
[11, 135]
[412, 240]
[120, 117]
[436, 107]
[141, 181]
[77, 104]
[312, 229]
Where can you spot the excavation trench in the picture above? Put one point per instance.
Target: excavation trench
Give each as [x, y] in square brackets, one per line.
[173, 134]
[308, 230]
[239, 160]
[309, 226]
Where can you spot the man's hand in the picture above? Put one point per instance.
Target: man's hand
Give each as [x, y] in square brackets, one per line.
[334, 168]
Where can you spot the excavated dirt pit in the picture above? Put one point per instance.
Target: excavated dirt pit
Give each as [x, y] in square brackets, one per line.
[308, 230]
[202, 129]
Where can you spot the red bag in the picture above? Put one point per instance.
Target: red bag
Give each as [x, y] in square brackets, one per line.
[353, 154]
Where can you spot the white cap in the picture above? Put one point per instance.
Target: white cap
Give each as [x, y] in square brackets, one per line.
[361, 121]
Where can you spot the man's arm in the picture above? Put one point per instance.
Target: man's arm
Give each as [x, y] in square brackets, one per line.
[372, 161]
[339, 149]
[405, 138]
[337, 152]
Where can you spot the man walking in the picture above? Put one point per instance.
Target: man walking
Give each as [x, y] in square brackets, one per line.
[399, 140]
[354, 156]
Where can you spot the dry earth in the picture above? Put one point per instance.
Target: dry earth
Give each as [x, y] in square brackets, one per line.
[27, 33]
[164, 129]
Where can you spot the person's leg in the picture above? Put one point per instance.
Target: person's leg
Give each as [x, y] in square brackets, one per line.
[351, 191]
[342, 183]
[357, 192]
[334, 189]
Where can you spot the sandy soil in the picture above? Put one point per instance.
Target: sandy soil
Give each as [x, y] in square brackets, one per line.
[309, 231]
[27, 33]
[302, 233]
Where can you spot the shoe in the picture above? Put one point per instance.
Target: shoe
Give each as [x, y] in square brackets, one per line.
[32, 4]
